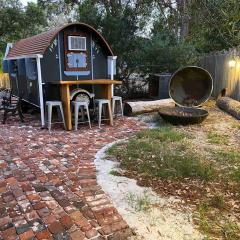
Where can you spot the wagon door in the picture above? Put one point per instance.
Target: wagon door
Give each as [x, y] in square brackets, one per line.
[32, 81]
[21, 77]
[13, 73]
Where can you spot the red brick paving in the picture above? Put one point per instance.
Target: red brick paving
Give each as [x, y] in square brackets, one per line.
[48, 186]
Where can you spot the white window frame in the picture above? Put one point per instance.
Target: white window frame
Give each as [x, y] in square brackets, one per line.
[76, 49]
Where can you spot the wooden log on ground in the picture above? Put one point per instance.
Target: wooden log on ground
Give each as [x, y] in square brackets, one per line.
[230, 106]
[135, 108]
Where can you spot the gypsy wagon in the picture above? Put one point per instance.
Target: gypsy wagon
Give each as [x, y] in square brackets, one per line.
[65, 63]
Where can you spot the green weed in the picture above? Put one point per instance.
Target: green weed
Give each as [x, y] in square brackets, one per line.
[139, 202]
[163, 153]
[218, 201]
[216, 138]
[114, 173]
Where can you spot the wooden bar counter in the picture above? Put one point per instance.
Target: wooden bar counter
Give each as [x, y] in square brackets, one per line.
[65, 94]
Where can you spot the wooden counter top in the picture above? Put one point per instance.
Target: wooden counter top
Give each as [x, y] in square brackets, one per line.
[93, 82]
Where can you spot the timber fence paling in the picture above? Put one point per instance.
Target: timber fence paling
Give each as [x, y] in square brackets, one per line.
[224, 76]
[4, 80]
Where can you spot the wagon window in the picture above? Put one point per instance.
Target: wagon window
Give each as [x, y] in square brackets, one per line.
[77, 43]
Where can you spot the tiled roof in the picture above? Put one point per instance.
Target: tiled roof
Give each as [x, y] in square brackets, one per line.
[39, 43]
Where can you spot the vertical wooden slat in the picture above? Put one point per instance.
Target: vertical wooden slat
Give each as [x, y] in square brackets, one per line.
[223, 76]
[107, 94]
[65, 97]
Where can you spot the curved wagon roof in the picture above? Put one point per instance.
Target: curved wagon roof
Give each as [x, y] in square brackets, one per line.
[38, 44]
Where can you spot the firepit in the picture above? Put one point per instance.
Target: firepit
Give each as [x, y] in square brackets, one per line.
[182, 115]
[189, 87]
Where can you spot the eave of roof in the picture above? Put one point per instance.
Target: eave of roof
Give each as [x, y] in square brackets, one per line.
[38, 44]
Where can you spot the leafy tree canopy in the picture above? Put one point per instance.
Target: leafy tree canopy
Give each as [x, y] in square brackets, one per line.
[146, 35]
[19, 22]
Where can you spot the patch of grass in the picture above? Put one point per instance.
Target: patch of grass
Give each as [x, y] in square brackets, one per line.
[164, 134]
[218, 201]
[213, 224]
[236, 126]
[139, 202]
[114, 173]
[235, 175]
[162, 152]
[204, 223]
[229, 162]
[230, 156]
[230, 231]
[216, 138]
[115, 150]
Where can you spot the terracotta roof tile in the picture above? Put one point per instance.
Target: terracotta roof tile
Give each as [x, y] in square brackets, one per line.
[39, 43]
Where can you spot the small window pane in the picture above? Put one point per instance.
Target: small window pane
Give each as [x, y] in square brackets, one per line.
[76, 43]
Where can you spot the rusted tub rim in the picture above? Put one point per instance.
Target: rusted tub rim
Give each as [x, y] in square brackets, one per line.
[180, 69]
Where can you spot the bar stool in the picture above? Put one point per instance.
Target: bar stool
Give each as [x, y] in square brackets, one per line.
[80, 105]
[50, 105]
[114, 101]
[101, 103]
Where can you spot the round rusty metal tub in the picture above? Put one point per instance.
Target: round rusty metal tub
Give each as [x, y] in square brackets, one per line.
[183, 115]
[190, 86]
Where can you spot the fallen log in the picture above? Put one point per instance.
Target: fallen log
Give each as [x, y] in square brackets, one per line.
[230, 106]
[135, 108]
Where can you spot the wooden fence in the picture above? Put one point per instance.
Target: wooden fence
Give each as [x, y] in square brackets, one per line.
[4, 80]
[224, 75]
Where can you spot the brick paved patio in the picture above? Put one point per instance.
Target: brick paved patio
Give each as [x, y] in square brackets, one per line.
[48, 187]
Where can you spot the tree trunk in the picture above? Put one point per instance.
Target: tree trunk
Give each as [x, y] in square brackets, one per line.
[230, 106]
[135, 108]
[184, 18]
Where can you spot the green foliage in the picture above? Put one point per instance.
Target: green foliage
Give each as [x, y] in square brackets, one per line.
[147, 36]
[89, 13]
[1, 57]
[215, 24]
[18, 22]
[165, 52]
[120, 23]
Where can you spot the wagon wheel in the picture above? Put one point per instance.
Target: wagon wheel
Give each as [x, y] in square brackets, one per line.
[84, 97]
[81, 97]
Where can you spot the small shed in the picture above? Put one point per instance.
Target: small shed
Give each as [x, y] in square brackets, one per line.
[73, 52]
